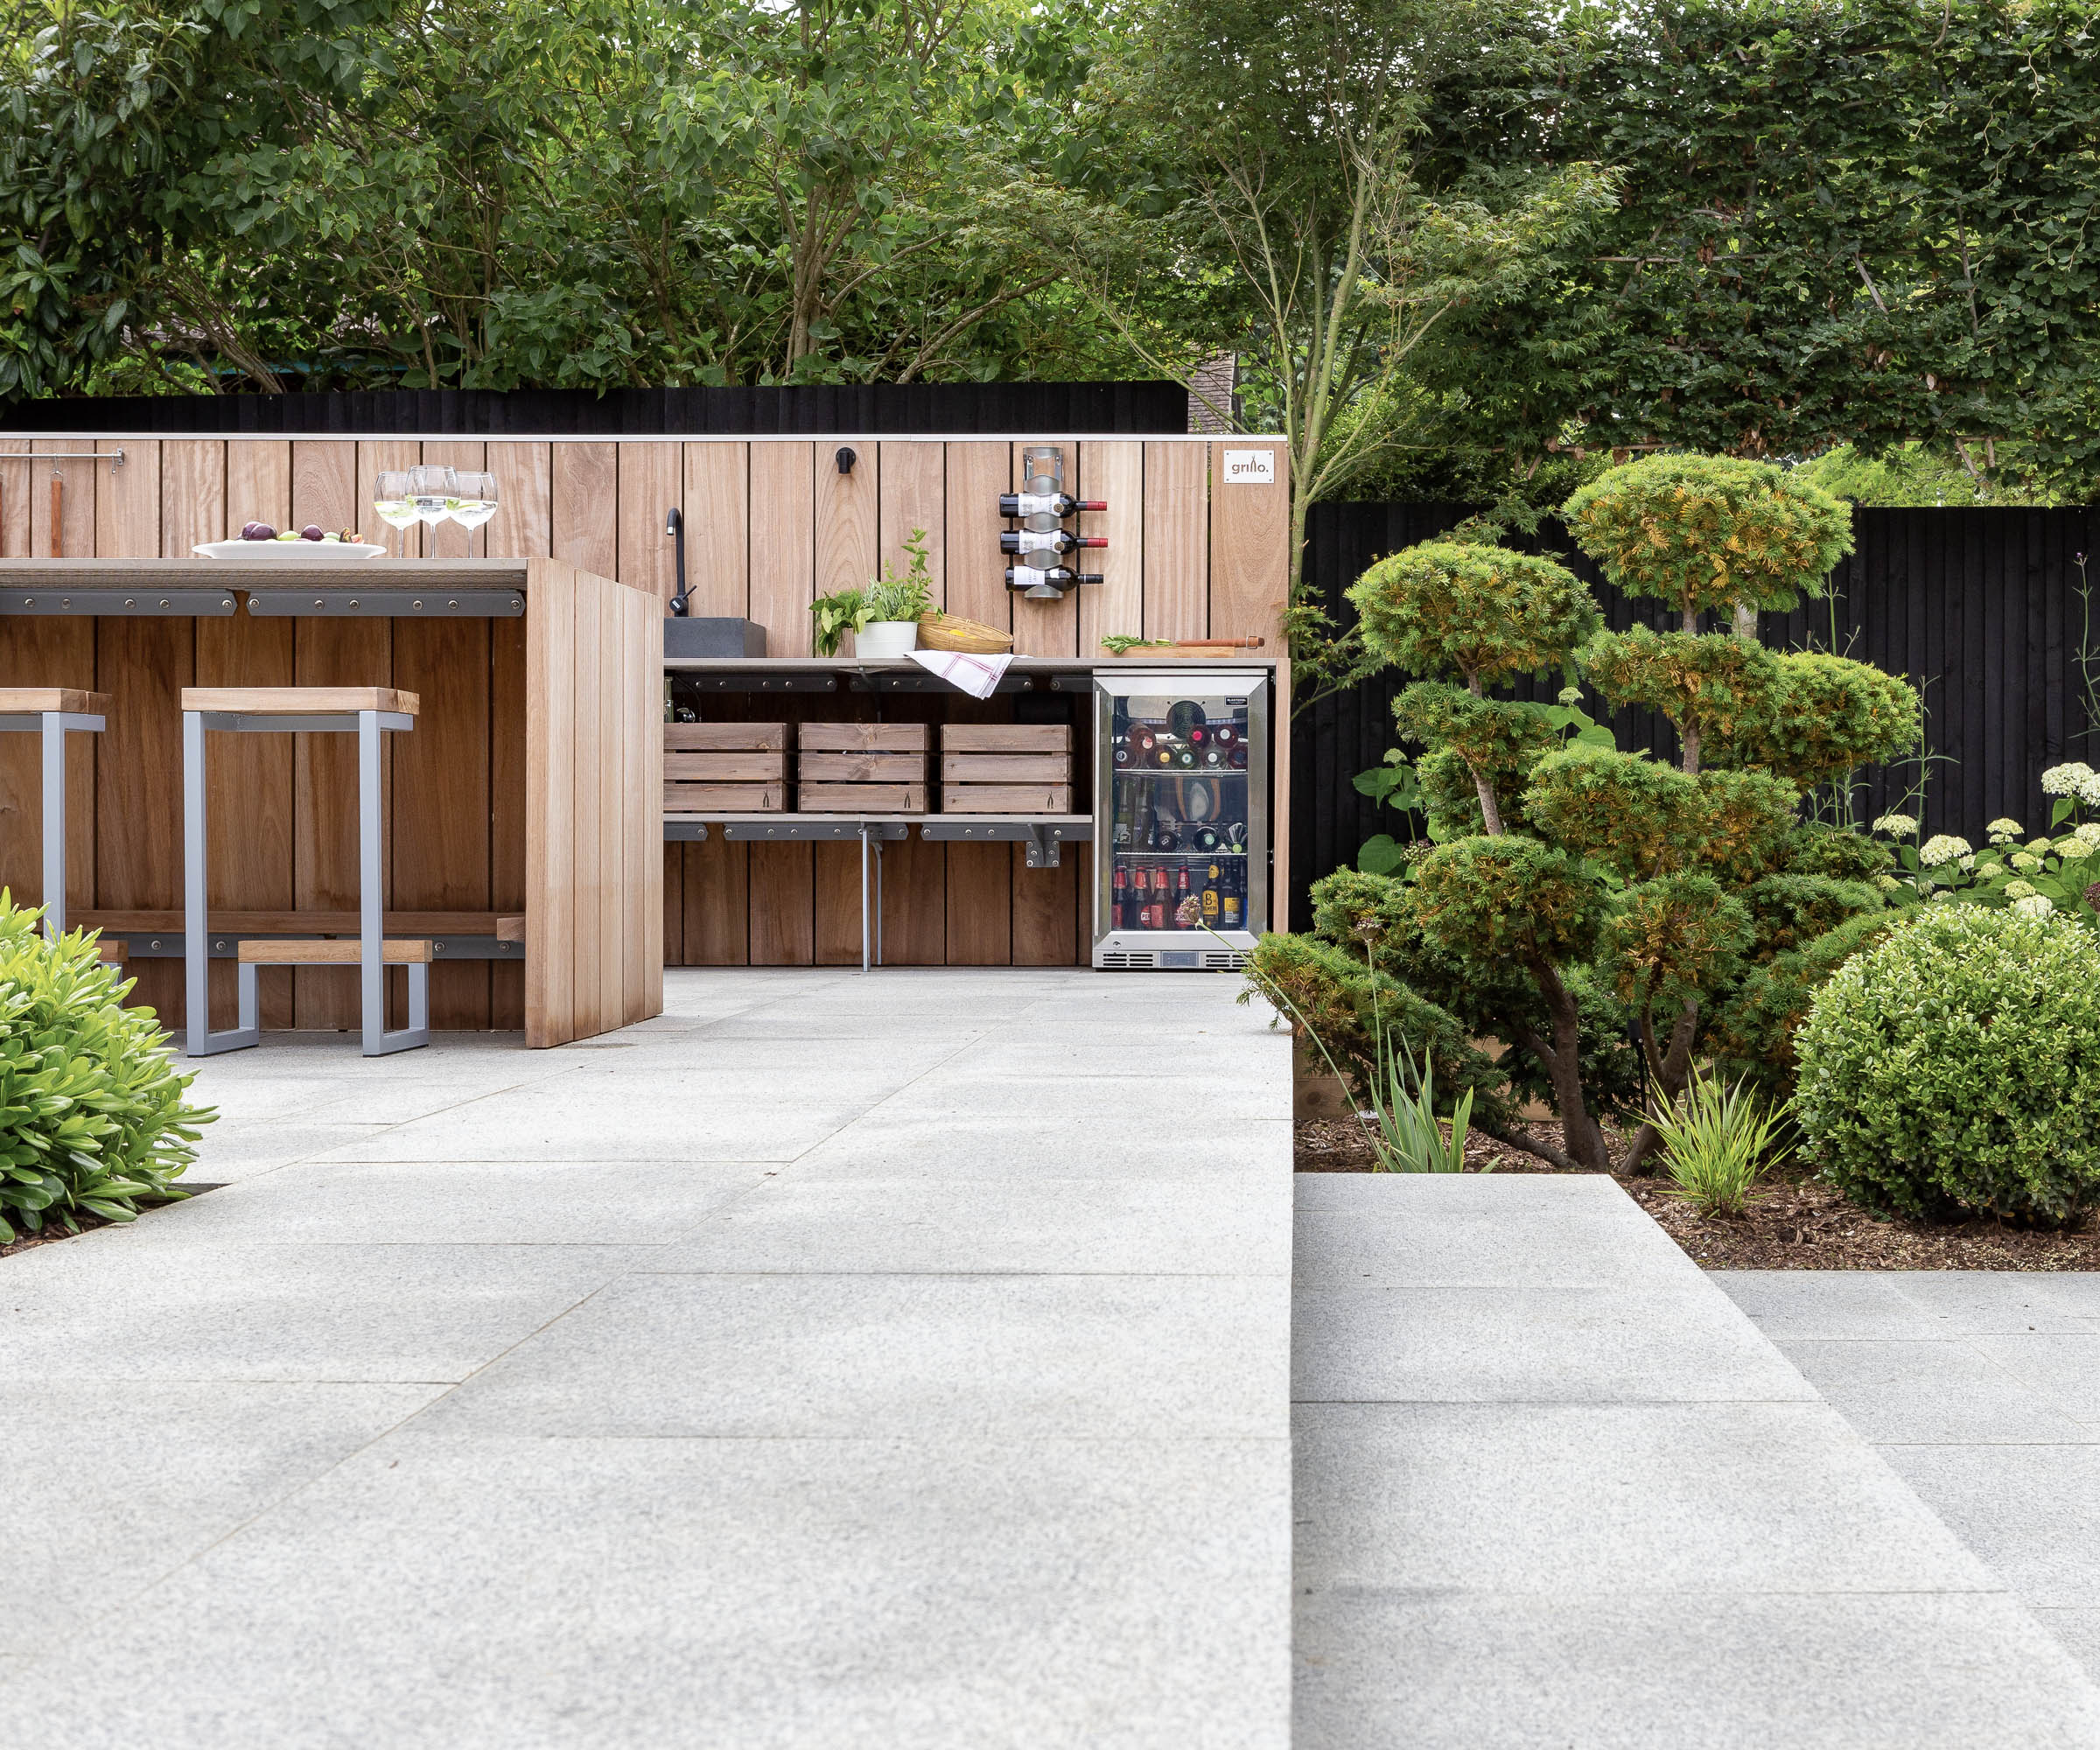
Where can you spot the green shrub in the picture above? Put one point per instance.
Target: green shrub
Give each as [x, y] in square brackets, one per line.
[1715, 1142]
[1955, 1066]
[92, 1116]
[1754, 1028]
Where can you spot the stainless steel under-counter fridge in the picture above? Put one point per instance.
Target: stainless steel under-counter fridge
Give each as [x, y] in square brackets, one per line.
[1181, 838]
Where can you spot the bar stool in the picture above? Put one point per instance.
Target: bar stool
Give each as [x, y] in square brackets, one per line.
[51, 712]
[369, 711]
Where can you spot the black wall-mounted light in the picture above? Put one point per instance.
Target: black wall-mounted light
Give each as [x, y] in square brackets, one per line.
[846, 458]
[674, 526]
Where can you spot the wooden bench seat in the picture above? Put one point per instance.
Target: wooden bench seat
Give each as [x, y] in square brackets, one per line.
[41, 699]
[230, 922]
[298, 700]
[340, 951]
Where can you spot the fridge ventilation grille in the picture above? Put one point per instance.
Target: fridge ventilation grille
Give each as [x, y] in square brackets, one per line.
[1223, 961]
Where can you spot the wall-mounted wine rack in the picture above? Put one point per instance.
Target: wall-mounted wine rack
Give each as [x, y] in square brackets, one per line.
[1040, 542]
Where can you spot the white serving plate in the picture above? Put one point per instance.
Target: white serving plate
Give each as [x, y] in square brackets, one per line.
[288, 552]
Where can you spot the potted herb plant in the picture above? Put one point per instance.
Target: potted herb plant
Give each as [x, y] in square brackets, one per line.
[884, 619]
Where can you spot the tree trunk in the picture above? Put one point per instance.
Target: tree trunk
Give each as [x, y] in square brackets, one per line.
[1689, 735]
[1672, 1074]
[1489, 812]
[1564, 1065]
[1746, 621]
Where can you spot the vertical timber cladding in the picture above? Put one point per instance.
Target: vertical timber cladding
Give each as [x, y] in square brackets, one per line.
[770, 523]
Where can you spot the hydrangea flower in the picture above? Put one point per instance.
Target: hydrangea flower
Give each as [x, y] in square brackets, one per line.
[2034, 906]
[2088, 834]
[1944, 847]
[2025, 861]
[1897, 826]
[2039, 846]
[1968, 862]
[1888, 884]
[2002, 829]
[2068, 779]
[2020, 889]
[1570, 695]
[1944, 897]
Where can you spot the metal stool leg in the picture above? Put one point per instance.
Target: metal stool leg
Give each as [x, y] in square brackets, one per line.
[863, 896]
[371, 909]
[201, 1041]
[54, 824]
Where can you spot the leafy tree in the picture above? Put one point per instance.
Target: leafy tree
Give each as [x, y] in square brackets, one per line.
[1576, 875]
[1860, 224]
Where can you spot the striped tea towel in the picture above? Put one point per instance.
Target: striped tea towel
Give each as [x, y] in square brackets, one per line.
[977, 676]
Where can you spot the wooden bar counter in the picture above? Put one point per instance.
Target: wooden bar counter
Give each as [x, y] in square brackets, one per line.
[531, 785]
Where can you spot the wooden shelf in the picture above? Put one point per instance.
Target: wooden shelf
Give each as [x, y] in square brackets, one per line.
[291, 923]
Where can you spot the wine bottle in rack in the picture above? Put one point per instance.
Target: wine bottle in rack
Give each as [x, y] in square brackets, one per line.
[1051, 580]
[1047, 540]
[1047, 504]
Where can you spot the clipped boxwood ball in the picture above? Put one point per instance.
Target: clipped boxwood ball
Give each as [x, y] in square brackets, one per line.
[1955, 1066]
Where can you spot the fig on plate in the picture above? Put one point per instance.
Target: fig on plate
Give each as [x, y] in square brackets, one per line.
[257, 531]
[311, 532]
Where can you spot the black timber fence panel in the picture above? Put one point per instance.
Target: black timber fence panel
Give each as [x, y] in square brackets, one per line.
[765, 411]
[1980, 609]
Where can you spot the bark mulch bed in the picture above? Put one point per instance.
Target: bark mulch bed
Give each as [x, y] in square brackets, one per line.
[1795, 1223]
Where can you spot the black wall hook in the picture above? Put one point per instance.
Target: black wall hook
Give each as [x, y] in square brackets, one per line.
[846, 458]
[674, 526]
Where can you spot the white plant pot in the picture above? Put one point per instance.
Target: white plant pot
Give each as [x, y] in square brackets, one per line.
[886, 638]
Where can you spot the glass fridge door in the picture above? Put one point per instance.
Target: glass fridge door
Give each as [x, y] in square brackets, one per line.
[1182, 837]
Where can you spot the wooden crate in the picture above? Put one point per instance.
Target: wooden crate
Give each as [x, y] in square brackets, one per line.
[732, 799]
[1007, 737]
[1006, 768]
[861, 799]
[724, 767]
[709, 737]
[865, 737]
[862, 768]
[1006, 799]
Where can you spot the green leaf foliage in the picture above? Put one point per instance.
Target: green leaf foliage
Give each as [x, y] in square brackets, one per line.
[1644, 819]
[1819, 718]
[1710, 531]
[1816, 849]
[1712, 684]
[1955, 1066]
[92, 1115]
[1499, 739]
[1442, 608]
[1790, 911]
[1753, 1028]
[1674, 939]
[1332, 990]
[1507, 899]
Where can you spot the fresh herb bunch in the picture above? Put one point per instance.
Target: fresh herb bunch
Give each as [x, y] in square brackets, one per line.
[889, 597]
[92, 1116]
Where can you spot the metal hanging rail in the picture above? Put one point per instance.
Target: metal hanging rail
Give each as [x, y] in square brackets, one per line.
[115, 458]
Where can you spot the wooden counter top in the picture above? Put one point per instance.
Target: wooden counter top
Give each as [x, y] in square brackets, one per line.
[205, 574]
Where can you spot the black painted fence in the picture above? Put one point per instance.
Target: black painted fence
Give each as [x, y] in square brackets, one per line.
[1980, 609]
[873, 409]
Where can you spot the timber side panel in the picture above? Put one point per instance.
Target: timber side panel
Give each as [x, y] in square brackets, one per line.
[717, 501]
[523, 529]
[586, 800]
[248, 782]
[913, 496]
[782, 555]
[835, 876]
[143, 664]
[649, 487]
[978, 893]
[845, 508]
[439, 825]
[585, 503]
[1114, 472]
[1046, 910]
[332, 653]
[1176, 542]
[1249, 552]
[550, 844]
[781, 877]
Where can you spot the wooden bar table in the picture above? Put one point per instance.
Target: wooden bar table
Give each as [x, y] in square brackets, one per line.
[547, 760]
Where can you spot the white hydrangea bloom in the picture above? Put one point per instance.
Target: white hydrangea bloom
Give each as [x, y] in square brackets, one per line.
[1897, 826]
[2034, 906]
[2068, 779]
[1944, 897]
[2070, 845]
[2088, 834]
[1968, 862]
[1944, 847]
[2039, 845]
[2088, 792]
[2020, 889]
[1888, 884]
[2025, 861]
[1570, 695]
[2002, 828]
